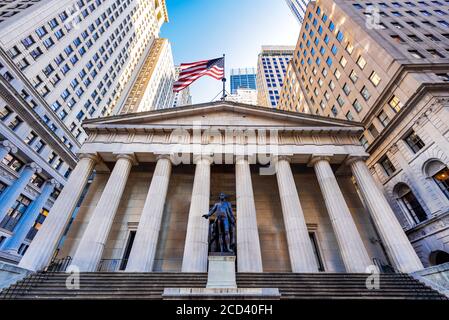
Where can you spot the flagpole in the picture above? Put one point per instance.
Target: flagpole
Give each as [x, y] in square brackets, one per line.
[223, 96]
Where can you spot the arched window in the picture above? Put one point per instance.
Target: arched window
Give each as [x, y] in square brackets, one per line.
[440, 174]
[409, 203]
[438, 257]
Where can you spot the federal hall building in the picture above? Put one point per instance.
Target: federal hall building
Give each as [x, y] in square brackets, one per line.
[303, 197]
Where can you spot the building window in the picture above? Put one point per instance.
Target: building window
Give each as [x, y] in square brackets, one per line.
[364, 142]
[442, 180]
[383, 118]
[14, 213]
[15, 123]
[12, 162]
[410, 204]
[5, 112]
[388, 166]
[365, 93]
[374, 78]
[37, 224]
[51, 157]
[37, 180]
[354, 77]
[361, 62]
[414, 142]
[395, 104]
[39, 146]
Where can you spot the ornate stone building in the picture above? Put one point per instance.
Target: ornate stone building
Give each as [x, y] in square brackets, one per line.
[290, 178]
[385, 64]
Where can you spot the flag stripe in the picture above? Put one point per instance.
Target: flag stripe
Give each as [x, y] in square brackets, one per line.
[190, 72]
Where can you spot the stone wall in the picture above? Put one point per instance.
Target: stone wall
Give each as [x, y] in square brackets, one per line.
[275, 257]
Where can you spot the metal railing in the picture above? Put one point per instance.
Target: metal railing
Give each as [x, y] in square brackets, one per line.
[384, 267]
[112, 265]
[23, 286]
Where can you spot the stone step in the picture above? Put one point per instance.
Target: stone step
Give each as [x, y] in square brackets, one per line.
[121, 285]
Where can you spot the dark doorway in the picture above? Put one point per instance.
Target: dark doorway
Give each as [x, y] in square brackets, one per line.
[129, 245]
[438, 257]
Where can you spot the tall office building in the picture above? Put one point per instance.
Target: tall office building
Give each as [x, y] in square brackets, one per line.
[271, 67]
[81, 55]
[153, 86]
[384, 64]
[243, 78]
[246, 96]
[298, 8]
[183, 97]
[60, 63]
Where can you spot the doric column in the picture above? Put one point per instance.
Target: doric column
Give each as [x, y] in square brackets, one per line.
[302, 257]
[196, 246]
[13, 243]
[144, 246]
[13, 191]
[5, 148]
[90, 249]
[46, 240]
[394, 239]
[352, 249]
[249, 257]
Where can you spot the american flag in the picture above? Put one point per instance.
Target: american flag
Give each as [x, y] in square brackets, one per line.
[189, 72]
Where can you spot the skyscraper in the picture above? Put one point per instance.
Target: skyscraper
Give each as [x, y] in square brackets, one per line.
[81, 55]
[370, 62]
[271, 67]
[183, 97]
[153, 86]
[298, 8]
[247, 96]
[243, 78]
[60, 63]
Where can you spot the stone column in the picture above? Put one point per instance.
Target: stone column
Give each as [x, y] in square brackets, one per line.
[46, 240]
[196, 246]
[13, 243]
[143, 250]
[5, 148]
[352, 249]
[90, 249]
[393, 236]
[11, 194]
[249, 257]
[302, 257]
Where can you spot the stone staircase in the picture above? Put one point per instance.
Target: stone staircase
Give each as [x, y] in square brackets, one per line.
[119, 285]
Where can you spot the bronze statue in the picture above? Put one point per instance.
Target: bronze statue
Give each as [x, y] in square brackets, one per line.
[223, 228]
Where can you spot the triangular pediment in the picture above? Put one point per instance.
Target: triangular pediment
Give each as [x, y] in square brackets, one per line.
[220, 114]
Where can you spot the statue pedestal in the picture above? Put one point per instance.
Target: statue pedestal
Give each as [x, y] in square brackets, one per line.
[221, 272]
[221, 284]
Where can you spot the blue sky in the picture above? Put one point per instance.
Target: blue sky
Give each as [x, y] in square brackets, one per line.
[204, 29]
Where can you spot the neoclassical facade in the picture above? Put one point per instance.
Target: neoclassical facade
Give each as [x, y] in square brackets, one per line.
[411, 163]
[304, 199]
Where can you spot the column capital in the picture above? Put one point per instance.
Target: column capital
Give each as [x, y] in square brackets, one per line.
[8, 146]
[200, 157]
[34, 167]
[53, 182]
[163, 156]
[283, 158]
[93, 156]
[354, 158]
[319, 157]
[129, 156]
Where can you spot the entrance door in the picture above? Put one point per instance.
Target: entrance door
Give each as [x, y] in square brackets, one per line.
[129, 245]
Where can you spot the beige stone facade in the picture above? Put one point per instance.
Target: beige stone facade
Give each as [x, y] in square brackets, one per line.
[217, 147]
[372, 63]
